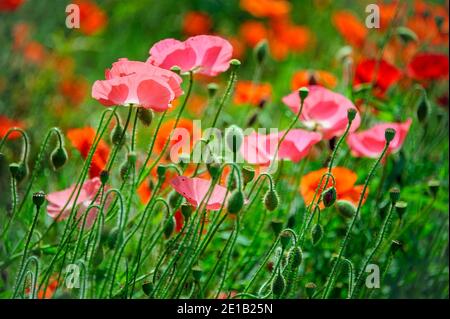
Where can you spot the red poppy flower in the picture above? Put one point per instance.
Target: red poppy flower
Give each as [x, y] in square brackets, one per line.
[82, 139]
[74, 89]
[351, 29]
[386, 74]
[428, 66]
[10, 5]
[196, 23]
[7, 123]
[92, 17]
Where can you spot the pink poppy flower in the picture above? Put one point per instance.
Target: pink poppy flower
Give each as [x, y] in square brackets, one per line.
[57, 201]
[195, 190]
[323, 110]
[135, 82]
[370, 143]
[205, 54]
[260, 149]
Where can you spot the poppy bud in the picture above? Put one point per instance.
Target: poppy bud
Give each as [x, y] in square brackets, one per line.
[104, 176]
[303, 93]
[310, 288]
[123, 170]
[235, 63]
[261, 51]
[423, 108]
[112, 238]
[295, 256]
[212, 90]
[236, 202]
[345, 208]
[271, 200]
[400, 207]
[351, 114]
[248, 173]
[316, 234]
[18, 171]
[329, 196]
[38, 198]
[276, 225]
[406, 35]
[145, 116]
[197, 273]
[186, 211]
[292, 220]
[169, 227]
[278, 285]
[285, 239]
[58, 157]
[116, 134]
[213, 169]
[433, 187]
[174, 199]
[389, 134]
[147, 288]
[234, 137]
[394, 195]
[161, 171]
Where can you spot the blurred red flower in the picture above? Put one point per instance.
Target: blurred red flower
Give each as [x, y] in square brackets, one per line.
[7, 123]
[92, 18]
[350, 27]
[196, 23]
[428, 66]
[381, 72]
[266, 8]
[313, 77]
[82, 139]
[10, 5]
[247, 92]
[34, 52]
[74, 89]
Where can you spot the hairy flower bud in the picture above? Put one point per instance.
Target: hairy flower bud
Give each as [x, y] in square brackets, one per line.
[316, 234]
[278, 285]
[261, 51]
[145, 116]
[58, 157]
[329, 196]
[271, 200]
[236, 201]
[116, 134]
[186, 211]
[295, 256]
[169, 226]
[174, 199]
[345, 208]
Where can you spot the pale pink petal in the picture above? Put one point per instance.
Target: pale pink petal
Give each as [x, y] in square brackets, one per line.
[154, 94]
[170, 52]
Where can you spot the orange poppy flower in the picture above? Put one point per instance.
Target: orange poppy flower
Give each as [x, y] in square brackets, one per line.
[181, 141]
[247, 92]
[313, 77]
[82, 139]
[49, 292]
[295, 37]
[74, 89]
[92, 18]
[7, 123]
[196, 23]
[21, 35]
[34, 52]
[350, 27]
[266, 8]
[345, 185]
[253, 32]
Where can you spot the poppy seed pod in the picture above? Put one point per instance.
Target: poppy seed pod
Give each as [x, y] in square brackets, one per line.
[212, 90]
[235, 63]
[389, 134]
[161, 171]
[295, 256]
[303, 93]
[234, 138]
[285, 239]
[236, 202]
[351, 114]
[261, 51]
[58, 157]
[278, 285]
[394, 195]
[310, 288]
[400, 207]
[176, 69]
[271, 200]
[123, 170]
[345, 208]
[329, 196]
[38, 198]
[316, 234]
[145, 116]
[147, 288]
[276, 225]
